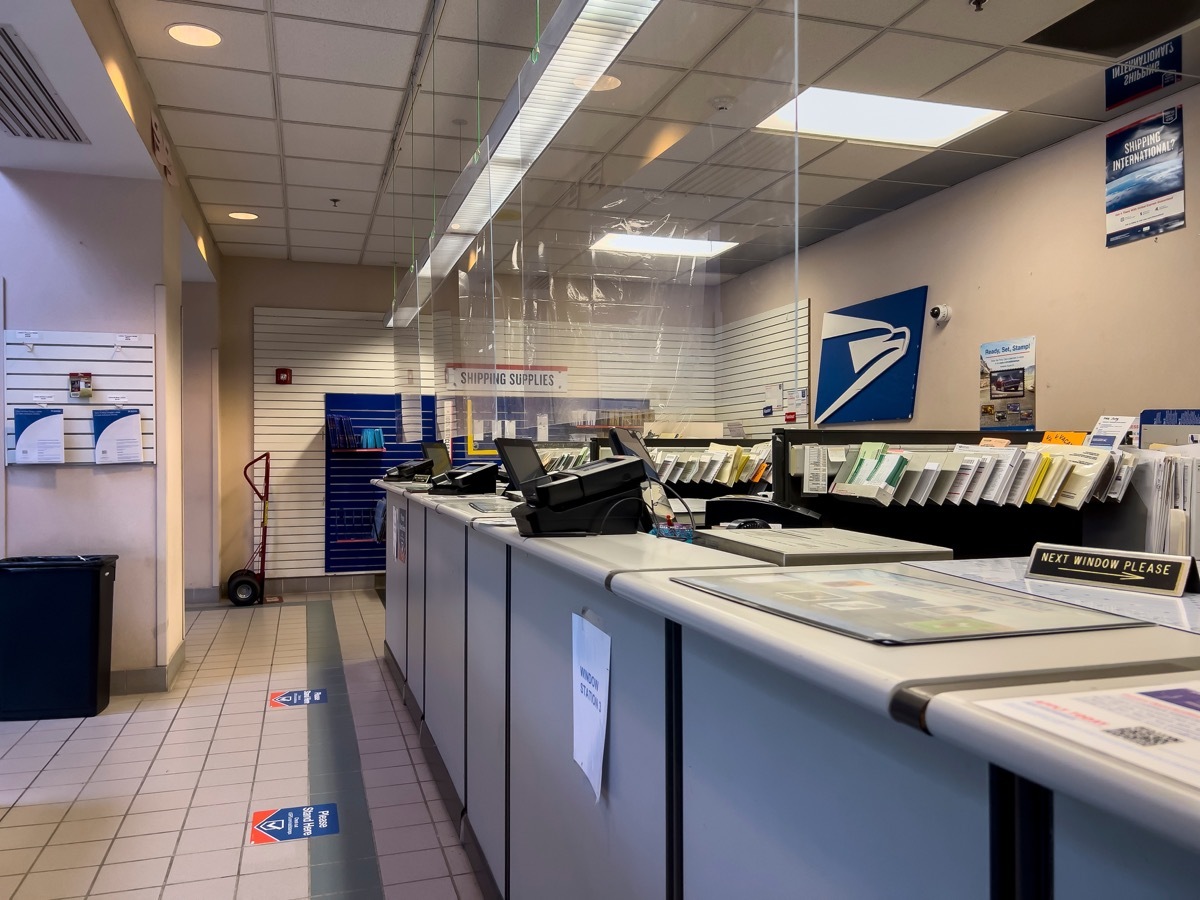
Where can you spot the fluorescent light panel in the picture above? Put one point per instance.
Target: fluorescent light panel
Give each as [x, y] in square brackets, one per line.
[661, 246]
[821, 112]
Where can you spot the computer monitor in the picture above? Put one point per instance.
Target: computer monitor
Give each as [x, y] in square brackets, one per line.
[625, 443]
[437, 451]
[522, 463]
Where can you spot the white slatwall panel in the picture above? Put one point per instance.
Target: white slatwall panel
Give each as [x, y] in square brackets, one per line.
[670, 367]
[42, 364]
[328, 352]
[752, 353]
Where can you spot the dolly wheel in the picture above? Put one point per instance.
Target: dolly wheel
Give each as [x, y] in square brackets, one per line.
[244, 589]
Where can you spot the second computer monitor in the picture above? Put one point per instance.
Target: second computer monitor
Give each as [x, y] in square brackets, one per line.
[625, 443]
[437, 451]
[522, 463]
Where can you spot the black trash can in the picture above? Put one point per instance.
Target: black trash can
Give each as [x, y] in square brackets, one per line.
[55, 636]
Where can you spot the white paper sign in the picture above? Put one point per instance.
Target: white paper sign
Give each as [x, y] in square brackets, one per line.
[128, 339]
[29, 337]
[543, 427]
[796, 399]
[1110, 431]
[43, 398]
[591, 654]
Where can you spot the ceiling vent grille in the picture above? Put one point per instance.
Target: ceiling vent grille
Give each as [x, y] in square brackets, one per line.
[29, 106]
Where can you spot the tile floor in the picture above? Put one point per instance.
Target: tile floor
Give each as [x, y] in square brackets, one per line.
[152, 799]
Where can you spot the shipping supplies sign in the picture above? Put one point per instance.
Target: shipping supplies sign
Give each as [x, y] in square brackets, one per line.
[1007, 385]
[468, 378]
[1149, 71]
[1144, 194]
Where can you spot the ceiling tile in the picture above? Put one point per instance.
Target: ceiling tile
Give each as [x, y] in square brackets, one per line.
[697, 207]
[339, 104]
[657, 175]
[652, 139]
[693, 100]
[323, 173]
[563, 165]
[227, 164]
[259, 251]
[497, 23]
[868, 12]
[243, 34]
[315, 198]
[215, 90]
[764, 150]
[947, 167]
[592, 131]
[376, 13]
[337, 240]
[243, 194]
[386, 259]
[1014, 80]
[343, 53]
[881, 195]
[763, 213]
[412, 206]
[248, 234]
[457, 67]
[864, 161]
[425, 183]
[218, 214]
[725, 181]
[324, 255]
[399, 246]
[1021, 133]
[904, 65]
[762, 47]
[679, 33]
[641, 87]
[192, 129]
[323, 220]
[814, 189]
[241, 4]
[427, 152]
[343, 144]
[436, 114]
[1005, 23]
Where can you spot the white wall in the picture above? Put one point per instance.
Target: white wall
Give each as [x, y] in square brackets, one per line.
[1020, 251]
[84, 253]
[201, 336]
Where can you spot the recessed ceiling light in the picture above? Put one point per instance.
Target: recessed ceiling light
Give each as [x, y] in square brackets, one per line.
[867, 117]
[455, 226]
[243, 216]
[601, 84]
[194, 35]
[661, 246]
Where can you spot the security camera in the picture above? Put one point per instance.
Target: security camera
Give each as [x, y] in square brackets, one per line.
[940, 314]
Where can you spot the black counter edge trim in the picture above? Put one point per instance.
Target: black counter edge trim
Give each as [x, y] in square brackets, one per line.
[910, 701]
[673, 709]
[1020, 837]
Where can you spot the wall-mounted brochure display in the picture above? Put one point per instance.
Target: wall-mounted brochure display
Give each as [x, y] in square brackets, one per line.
[1144, 182]
[1008, 385]
[887, 607]
[69, 377]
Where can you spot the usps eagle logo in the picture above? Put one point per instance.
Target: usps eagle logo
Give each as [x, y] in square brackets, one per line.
[870, 353]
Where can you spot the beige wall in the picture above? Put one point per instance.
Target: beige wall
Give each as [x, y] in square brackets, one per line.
[245, 284]
[201, 336]
[1020, 251]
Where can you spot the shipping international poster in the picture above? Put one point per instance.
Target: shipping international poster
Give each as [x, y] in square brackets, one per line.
[1007, 388]
[1144, 178]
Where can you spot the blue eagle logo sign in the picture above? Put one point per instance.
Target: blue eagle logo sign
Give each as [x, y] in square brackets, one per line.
[869, 358]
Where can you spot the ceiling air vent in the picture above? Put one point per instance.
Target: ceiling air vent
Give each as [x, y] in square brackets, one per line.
[1115, 28]
[29, 107]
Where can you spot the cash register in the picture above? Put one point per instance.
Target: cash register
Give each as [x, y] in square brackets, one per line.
[469, 478]
[601, 497]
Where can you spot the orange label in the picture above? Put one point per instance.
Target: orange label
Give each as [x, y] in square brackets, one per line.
[1075, 438]
[994, 442]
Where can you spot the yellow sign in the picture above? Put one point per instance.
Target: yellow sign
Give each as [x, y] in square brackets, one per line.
[1074, 438]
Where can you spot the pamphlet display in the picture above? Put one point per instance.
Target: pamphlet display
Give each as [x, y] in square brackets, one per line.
[39, 436]
[1007, 385]
[890, 608]
[118, 434]
[1144, 193]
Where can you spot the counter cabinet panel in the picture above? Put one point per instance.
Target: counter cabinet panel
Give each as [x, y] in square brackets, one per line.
[789, 792]
[563, 842]
[396, 585]
[415, 673]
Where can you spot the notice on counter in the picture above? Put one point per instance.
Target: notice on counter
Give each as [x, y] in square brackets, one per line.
[1144, 194]
[591, 655]
[118, 434]
[39, 436]
[890, 608]
[1111, 431]
[1007, 385]
[1157, 728]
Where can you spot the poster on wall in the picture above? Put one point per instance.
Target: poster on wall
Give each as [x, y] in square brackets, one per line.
[870, 353]
[1149, 71]
[1144, 194]
[1007, 388]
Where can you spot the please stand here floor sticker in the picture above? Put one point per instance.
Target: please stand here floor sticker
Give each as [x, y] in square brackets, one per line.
[293, 823]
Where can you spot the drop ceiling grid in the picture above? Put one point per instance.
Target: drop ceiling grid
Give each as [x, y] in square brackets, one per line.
[889, 24]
